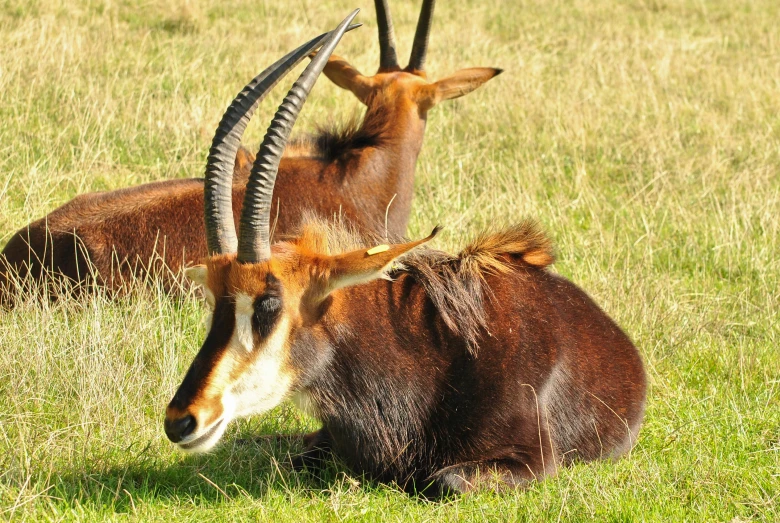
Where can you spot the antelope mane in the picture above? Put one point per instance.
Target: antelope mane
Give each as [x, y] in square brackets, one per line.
[330, 141]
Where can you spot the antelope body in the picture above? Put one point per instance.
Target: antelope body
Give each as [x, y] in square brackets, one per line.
[403, 392]
[363, 173]
[460, 372]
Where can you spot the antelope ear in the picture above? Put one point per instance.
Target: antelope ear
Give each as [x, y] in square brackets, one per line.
[364, 265]
[457, 85]
[347, 77]
[197, 274]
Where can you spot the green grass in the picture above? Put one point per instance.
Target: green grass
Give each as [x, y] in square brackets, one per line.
[643, 134]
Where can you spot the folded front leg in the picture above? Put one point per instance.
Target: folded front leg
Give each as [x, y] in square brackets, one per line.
[317, 450]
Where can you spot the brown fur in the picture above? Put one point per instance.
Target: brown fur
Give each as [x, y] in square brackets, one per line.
[334, 141]
[363, 173]
[414, 387]
[454, 283]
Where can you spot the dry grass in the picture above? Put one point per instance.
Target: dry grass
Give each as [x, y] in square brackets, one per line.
[644, 135]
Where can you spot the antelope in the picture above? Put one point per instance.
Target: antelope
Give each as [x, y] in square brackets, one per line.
[364, 173]
[444, 374]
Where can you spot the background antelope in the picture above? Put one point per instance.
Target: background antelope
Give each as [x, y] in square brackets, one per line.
[364, 172]
[459, 372]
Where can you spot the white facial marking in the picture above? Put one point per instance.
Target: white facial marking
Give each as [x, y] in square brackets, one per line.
[263, 385]
[243, 335]
[266, 382]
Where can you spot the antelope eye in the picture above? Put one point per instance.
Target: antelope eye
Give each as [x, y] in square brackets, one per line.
[267, 310]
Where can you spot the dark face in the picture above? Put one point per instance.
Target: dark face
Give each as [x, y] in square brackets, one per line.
[243, 367]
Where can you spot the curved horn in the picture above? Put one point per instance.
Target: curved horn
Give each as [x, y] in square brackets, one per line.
[420, 47]
[220, 228]
[388, 60]
[254, 243]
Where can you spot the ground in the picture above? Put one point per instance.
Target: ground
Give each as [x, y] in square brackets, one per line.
[643, 135]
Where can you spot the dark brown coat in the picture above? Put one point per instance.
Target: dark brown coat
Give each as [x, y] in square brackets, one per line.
[477, 370]
[363, 173]
[404, 397]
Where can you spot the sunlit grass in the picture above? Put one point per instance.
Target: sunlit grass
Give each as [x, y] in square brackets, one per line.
[644, 135]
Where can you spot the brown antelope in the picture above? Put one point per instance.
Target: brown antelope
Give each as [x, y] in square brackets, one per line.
[458, 372]
[364, 173]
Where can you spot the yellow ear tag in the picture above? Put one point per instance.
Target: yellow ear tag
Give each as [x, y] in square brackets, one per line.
[377, 249]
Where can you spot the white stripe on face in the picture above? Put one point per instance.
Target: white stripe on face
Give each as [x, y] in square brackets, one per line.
[262, 385]
[243, 335]
[266, 382]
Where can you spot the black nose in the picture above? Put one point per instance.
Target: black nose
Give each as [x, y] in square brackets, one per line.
[178, 429]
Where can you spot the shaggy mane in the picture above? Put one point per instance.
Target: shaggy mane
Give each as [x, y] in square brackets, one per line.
[454, 283]
[333, 141]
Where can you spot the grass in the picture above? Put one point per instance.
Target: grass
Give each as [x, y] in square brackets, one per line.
[643, 134]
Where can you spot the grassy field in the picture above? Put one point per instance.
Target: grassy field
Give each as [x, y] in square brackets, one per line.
[643, 134]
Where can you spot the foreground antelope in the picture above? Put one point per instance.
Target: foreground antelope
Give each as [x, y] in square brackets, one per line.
[364, 173]
[459, 372]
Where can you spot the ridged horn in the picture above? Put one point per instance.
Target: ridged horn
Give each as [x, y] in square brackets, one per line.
[388, 59]
[420, 46]
[254, 244]
[220, 228]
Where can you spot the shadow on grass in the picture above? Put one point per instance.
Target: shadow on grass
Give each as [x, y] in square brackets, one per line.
[251, 468]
